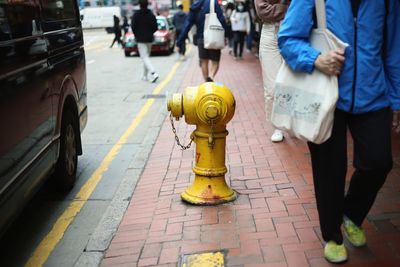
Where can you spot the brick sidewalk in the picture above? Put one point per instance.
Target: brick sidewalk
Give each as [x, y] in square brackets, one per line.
[274, 221]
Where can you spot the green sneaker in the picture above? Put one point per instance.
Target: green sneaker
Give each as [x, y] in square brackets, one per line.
[335, 253]
[353, 233]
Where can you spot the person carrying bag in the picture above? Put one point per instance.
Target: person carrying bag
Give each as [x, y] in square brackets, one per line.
[304, 104]
[367, 77]
[209, 20]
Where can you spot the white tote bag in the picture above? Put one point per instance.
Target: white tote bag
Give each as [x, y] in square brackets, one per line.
[304, 104]
[214, 33]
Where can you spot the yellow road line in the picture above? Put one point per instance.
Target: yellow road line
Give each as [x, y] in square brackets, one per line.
[47, 245]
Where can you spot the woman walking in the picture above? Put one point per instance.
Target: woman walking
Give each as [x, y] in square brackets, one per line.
[271, 12]
[240, 21]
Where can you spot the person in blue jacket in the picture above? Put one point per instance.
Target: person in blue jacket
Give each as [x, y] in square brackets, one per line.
[369, 98]
[196, 16]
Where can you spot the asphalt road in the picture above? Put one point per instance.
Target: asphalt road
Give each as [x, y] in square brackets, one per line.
[116, 97]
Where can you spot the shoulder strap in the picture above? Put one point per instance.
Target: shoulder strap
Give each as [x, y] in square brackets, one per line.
[212, 8]
[320, 14]
[315, 14]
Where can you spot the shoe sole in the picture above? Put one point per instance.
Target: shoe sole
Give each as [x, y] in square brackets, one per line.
[338, 261]
[278, 141]
[154, 80]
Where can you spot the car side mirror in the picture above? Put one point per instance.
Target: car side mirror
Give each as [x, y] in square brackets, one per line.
[81, 16]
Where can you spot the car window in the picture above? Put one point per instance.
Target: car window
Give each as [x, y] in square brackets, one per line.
[18, 19]
[162, 24]
[58, 9]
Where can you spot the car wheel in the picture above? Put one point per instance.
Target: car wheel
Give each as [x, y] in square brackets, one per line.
[67, 163]
[127, 53]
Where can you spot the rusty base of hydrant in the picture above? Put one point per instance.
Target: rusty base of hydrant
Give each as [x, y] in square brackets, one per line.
[208, 191]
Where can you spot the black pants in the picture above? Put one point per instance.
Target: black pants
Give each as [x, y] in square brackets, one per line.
[372, 160]
[182, 47]
[238, 42]
[117, 39]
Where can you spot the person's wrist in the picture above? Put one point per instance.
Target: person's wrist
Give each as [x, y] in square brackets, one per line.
[317, 62]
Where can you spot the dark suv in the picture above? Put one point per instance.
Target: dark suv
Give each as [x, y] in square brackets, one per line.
[42, 98]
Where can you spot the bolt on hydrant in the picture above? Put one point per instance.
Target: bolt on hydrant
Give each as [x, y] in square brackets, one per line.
[210, 107]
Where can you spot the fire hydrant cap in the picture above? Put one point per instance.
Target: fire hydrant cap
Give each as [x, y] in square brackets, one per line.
[212, 112]
[175, 105]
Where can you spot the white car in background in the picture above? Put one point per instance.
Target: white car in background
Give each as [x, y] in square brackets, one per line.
[99, 17]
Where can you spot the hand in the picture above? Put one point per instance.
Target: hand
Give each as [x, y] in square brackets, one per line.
[331, 63]
[396, 121]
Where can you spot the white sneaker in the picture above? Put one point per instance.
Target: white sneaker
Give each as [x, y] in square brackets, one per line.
[144, 78]
[154, 77]
[277, 136]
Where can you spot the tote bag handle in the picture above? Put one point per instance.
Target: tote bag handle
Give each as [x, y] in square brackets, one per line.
[321, 14]
[212, 8]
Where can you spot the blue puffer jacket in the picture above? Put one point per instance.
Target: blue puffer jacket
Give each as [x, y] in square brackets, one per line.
[197, 15]
[374, 82]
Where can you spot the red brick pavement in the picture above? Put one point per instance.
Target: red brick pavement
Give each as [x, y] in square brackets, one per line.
[274, 222]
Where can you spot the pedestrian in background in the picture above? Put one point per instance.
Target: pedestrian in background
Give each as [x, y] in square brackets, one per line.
[250, 37]
[179, 20]
[117, 32]
[230, 7]
[144, 25]
[196, 16]
[369, 94]
[240, 20]
[271, 12]
[125, 25]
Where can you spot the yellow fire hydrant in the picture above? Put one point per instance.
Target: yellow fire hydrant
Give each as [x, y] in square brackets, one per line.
[210, 107]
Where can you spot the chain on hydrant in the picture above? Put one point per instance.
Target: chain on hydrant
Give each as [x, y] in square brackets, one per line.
[178, 142]
[210, 107]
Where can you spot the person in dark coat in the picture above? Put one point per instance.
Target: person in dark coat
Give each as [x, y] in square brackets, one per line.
[179, 21]
[117, 32]
[197, 16]
[125, 25]
[144, 25]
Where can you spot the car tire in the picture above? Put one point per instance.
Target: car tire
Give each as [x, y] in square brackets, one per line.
[127, 53]
[64, 176]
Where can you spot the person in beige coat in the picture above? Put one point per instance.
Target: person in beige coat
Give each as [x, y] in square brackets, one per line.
[271, 12]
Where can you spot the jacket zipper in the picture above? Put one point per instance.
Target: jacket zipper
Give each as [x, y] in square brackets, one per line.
[353, 93]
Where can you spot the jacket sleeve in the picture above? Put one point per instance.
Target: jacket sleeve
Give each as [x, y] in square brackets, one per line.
[392, 59]
[268, 12]
[233, 16]
[220, 15]
[248, 23]
[189, 21]
[155, 26]
[294, 35]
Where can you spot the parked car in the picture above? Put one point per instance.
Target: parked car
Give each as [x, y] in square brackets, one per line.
[164, 38]
[42, 99]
